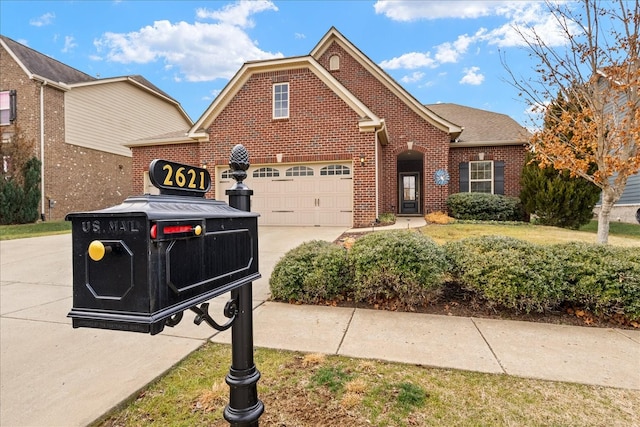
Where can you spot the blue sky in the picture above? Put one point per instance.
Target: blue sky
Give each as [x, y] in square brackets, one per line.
[440, 51]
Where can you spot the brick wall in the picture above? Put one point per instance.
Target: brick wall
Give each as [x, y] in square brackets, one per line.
[403, 126]
[76, 178]
[320, 127]
[512, 155]
[142, 157]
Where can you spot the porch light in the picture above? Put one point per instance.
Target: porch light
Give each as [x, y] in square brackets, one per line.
[363, 159]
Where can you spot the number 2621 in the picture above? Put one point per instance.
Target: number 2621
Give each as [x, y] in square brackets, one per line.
[184, 178]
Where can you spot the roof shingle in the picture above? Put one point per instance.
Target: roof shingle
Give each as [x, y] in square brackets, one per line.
[481, 126]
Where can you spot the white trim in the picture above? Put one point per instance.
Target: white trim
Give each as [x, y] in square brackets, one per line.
[492, 179]
[279, 107]
[383, 77]
[368, 122]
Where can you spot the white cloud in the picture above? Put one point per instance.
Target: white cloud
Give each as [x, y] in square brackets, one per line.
[200, 51]
[451, 52]
[413, 77]
[531, 20]
[69, 44]
[237, 14]
[409, 61]
[520, 19]
[472, 77]
[411, 10]
[43, 20]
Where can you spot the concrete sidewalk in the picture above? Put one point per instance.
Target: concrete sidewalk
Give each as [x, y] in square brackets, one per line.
[54, 375]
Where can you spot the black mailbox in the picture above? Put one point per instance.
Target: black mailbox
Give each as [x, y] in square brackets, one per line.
[138, 264]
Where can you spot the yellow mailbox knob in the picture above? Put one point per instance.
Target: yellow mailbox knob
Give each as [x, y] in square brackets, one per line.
[197, 230]
[96, 250]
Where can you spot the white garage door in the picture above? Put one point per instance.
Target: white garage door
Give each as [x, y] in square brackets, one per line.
[317, 194]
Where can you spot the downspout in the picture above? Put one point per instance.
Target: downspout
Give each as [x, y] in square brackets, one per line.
[42, 197]
[377, 166]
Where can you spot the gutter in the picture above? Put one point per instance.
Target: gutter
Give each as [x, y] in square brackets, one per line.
[487, 143]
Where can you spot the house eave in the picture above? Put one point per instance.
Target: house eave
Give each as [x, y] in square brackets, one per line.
[428, 115]
[368, 121]
[488, 143]
[159, 141]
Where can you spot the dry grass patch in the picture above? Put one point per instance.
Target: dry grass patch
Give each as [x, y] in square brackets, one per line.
[309, 390]
[438, 218]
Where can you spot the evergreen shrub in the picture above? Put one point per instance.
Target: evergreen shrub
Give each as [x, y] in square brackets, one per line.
[603, 279]
[314, 271]
[508, 272]
[404, 266]
[484, 207]
[555, 198]
[19, 196]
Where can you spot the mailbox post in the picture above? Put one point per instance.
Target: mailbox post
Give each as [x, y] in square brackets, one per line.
[244, 407]
[139, 265]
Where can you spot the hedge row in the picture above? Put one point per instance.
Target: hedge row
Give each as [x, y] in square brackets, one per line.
[404, 266]
[411, 269]
[484, 207]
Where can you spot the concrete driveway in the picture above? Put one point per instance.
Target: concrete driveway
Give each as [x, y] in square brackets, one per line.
[54, 375]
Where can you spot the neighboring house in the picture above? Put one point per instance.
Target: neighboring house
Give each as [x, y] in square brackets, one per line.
[334, 140]
[78, 125]
[627, 208]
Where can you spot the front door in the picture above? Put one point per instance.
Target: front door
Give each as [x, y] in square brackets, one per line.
[409, 193]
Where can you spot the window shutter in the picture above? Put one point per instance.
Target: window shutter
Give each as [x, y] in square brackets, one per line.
[13, 108]
[498, 177]
[464, 177]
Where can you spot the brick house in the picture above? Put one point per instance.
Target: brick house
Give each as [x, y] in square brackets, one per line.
[78, 125]
[334, 140]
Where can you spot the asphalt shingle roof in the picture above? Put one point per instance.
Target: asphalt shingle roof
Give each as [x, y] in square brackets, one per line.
[480, 125]
[45, 66]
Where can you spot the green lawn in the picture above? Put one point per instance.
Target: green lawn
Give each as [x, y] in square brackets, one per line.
[615, 228]
[8, 232]
[620, 234]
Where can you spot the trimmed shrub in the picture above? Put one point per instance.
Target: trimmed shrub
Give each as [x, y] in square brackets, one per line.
[508, 272]
[603, 279]
[402, 265]
[484, 207]
[314, 271]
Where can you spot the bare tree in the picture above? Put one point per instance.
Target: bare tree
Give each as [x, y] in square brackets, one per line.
[597, 138]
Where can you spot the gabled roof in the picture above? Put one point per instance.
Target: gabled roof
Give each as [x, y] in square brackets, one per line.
[333, 35]
[36, 64]
[482, 127]
[368, 121]
[135, 79]
[42, 67]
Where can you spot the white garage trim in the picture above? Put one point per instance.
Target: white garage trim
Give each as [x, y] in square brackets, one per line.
[297, 194]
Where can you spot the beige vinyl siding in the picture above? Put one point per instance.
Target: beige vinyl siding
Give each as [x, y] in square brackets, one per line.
[105, 116]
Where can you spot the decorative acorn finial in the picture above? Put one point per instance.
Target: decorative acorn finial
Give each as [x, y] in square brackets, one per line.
[239, 163]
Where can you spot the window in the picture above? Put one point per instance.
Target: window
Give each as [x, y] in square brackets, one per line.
[281, 100]
[7, 107]
[335, 170]
[266, 173]
[227, 174]
[299, 171]
[481, 177]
